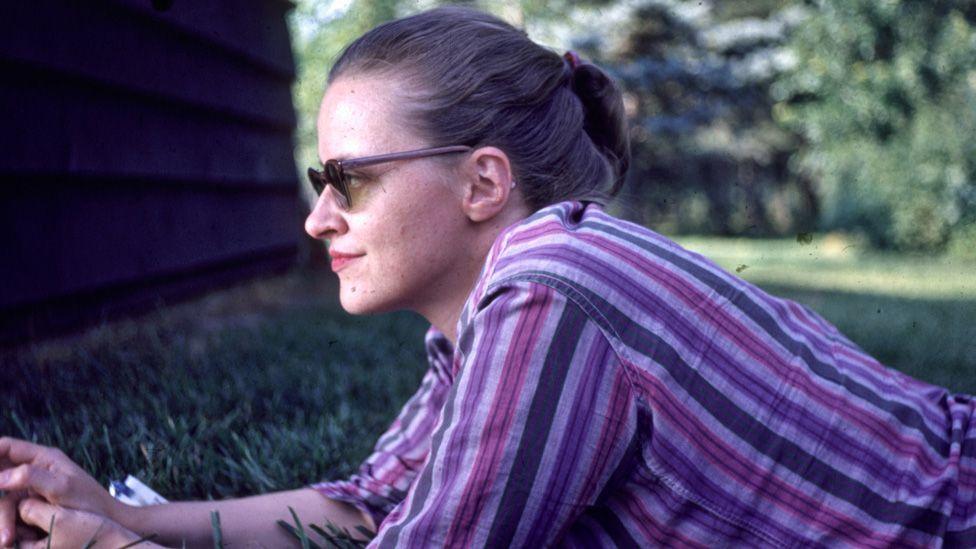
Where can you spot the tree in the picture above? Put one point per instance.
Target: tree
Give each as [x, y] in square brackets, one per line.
[708, 156]
[884, 94]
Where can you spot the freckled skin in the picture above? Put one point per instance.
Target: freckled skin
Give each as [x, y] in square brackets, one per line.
[415, 237]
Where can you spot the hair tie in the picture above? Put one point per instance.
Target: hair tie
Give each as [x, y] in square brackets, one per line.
[573, 59]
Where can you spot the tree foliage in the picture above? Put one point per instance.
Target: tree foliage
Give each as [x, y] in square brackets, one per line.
[884, 95]
[708, 155]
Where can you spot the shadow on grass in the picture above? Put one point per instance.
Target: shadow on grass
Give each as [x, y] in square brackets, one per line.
[931, 339]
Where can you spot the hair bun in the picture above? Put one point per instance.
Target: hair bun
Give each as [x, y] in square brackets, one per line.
[605, 121]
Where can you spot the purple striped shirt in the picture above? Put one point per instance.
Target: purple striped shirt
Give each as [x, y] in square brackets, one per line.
[610, 388]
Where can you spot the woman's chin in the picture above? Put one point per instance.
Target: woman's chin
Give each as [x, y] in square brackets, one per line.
[353, 305]
[357, 302]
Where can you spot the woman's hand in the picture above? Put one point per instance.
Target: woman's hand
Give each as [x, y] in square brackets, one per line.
[62, 527]
[28, 469]
[8, 517]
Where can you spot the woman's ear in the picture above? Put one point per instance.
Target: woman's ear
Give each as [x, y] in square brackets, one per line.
[488, 184]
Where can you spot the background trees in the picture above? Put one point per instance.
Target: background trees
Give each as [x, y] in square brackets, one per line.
[758, 117]
[883, 96]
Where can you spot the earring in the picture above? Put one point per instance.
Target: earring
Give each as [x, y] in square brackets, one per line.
[513, 183]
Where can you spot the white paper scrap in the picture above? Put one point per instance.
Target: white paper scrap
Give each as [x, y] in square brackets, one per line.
[133, 492]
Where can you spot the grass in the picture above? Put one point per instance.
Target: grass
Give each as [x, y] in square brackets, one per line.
[834, 263]
[270, 386]
[296, 396]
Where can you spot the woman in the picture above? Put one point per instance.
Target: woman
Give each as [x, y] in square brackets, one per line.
[591, 382]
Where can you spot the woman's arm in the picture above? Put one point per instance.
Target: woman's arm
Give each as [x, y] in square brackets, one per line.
[70, 528]
[250, 521]
[30, 468]
[364, 499]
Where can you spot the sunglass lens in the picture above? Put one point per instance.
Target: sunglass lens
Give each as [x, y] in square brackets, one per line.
[333, 175]
[315, 178]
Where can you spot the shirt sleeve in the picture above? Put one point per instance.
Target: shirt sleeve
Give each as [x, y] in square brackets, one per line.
[382, 480]
[539, 419]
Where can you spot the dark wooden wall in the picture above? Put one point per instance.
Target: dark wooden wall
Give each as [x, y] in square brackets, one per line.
[145, 153]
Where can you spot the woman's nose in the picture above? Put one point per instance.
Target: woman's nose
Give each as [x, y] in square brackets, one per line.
[326, 219]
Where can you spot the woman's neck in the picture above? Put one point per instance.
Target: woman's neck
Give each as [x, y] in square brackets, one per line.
[444, 310]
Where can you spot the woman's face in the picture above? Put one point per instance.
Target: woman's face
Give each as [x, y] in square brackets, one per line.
[399, 245]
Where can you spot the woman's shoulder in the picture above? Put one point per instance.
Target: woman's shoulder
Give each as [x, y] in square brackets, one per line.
[580, 245]
[621, 273]
[605, 265]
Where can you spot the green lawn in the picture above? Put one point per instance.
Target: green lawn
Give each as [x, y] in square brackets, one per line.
[264, 387]
[202, 404]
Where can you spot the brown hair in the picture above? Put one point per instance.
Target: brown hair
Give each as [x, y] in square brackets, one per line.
[476, 80]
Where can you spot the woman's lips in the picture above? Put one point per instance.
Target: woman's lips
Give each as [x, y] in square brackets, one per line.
[338, 260]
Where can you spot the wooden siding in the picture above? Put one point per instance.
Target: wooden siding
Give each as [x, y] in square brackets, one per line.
[145, 155]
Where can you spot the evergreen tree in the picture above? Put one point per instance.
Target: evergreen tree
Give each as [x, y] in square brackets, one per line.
[708, 156]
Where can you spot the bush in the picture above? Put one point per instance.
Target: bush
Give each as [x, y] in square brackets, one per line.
[963, 242]
[885, 96]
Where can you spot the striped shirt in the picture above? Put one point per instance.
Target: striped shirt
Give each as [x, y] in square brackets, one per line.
[610, 388]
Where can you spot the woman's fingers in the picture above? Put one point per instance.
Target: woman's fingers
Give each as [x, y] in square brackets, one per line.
[47, 518]
[37, 513]
[69, 527]
[52, 475]
[8, 516]
[15, 451]
[27, 533]
[16, 455]
[36, 479]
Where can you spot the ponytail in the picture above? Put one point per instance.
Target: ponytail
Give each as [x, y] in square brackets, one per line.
[604, 118]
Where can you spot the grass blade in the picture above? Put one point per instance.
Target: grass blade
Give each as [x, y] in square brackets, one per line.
[340, 537]
[306, 543]
[218, 534]
[318, 530]
[299, 534]
[50, 531]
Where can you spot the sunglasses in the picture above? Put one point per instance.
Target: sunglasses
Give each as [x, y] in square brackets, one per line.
[334, 175]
